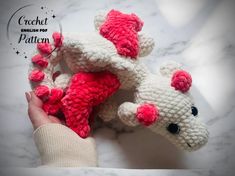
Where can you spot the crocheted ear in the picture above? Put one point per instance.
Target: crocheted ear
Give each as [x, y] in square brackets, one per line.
[169, 67]
[180, 79]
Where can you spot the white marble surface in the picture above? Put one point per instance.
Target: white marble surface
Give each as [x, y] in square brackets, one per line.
[198, 33]
[109, 172]
[101, 172]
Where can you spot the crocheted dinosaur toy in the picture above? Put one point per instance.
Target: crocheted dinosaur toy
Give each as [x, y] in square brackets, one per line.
[105, 61]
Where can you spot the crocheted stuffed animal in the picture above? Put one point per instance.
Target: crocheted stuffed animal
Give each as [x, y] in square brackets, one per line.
[105, 61]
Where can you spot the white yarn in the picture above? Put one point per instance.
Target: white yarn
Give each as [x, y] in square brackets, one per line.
[146, 45]
[169, 67]
[126, 112]
[99, 19]
[62, 80]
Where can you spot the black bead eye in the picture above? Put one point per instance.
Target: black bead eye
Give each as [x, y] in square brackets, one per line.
[194, 110]
[173, 128]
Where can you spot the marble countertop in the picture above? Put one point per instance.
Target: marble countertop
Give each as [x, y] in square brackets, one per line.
[102, 172]
[199, 34]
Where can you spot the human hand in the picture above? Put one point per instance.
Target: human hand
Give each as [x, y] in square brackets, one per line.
[36, 114]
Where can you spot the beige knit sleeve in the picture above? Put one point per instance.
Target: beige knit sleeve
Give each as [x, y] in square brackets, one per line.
[59, 146]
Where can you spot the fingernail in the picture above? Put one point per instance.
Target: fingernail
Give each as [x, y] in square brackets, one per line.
[28, 96]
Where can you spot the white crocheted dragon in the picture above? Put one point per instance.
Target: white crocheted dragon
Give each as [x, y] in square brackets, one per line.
[100, 63]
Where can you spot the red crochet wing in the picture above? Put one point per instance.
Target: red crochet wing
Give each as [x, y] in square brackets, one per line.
[86, 90]
[122, 30]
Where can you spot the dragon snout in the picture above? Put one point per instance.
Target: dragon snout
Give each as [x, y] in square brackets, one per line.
[195, 138]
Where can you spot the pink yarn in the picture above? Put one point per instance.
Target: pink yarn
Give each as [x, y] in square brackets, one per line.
[40, 60]
[181, 80]
[56, 95]
[44, 48]
[53, 104]
[86, 90]
[122, 30]
[36, 75]
[42, 91]
[147, 114]
[51, 109]
[58, 39]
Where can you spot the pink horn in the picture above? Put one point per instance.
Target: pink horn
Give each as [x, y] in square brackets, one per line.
[181, 80]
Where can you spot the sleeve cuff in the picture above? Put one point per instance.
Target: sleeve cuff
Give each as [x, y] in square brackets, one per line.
[61, 147]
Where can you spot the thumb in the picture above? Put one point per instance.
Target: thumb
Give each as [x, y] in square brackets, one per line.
[36, 114]
[54, 119]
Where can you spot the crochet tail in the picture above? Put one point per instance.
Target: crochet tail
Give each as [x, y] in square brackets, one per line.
[42, 74]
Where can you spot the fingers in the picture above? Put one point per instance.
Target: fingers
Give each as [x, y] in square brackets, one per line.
[35, 100]
[28, 96]
[35, 107]
[36, 114]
